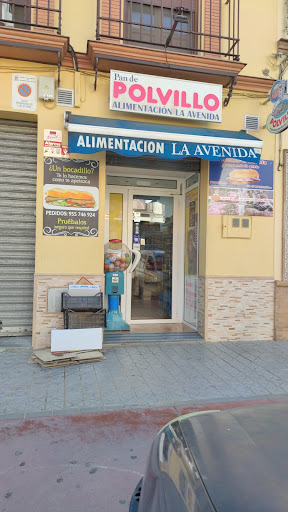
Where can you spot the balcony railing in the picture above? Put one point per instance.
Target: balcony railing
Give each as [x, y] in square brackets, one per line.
[198, 27]
[38, 15]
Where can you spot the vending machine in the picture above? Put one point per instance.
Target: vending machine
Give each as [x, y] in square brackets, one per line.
[117, 259]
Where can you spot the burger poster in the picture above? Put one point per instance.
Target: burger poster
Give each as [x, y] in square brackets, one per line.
[240, 188]
[70, 197]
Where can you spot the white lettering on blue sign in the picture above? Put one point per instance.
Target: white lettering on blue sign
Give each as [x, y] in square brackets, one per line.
[175, 150]
[142, 146]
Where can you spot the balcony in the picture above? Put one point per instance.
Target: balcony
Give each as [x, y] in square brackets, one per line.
[39, 15]
[30, 30]
[196, 27]
[190, 39]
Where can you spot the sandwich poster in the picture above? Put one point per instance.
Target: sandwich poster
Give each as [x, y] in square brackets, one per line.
[70, 197]
[240, 188]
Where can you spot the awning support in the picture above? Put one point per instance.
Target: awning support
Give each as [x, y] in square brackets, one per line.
[231, 84]
[96, 71]
[59, 67]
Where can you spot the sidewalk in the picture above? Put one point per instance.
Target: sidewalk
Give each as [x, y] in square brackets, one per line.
[144, 375]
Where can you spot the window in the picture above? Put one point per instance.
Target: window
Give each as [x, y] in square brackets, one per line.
[151, 24]
[16, 14]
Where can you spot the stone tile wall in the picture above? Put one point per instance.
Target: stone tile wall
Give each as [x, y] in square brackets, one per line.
[43, 321]
[201, 306]
[239, 309]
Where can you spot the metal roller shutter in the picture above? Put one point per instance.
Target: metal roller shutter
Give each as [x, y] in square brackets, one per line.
[18, 169]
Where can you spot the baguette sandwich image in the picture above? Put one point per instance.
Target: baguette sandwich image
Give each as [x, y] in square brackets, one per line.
[70, 198]
[243, 176]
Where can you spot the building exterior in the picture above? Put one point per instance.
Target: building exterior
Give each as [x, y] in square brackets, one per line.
[149, 107]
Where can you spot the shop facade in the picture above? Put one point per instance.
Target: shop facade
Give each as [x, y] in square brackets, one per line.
[156, 164]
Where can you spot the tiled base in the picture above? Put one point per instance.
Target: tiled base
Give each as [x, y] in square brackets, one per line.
[281, 309]
[239, 309]
[43, 321]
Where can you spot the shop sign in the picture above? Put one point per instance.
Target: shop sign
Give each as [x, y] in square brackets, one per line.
[52, 142]
[277, 122]
[168, 97]
[70, 197]
[240, 188]
[24, 92]
[127, 146]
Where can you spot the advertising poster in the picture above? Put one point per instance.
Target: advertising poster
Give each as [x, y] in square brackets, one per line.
[191, 256]
[241, 188]
[52, 143]
[70, 197]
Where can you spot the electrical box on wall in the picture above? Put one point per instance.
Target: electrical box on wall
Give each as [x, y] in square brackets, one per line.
[236, 227]
[46, 88]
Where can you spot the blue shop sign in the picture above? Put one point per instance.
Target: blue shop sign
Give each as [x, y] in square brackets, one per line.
[87, 135]
[127, 146]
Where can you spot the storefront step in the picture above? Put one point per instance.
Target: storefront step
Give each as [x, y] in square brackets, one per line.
[130, 337]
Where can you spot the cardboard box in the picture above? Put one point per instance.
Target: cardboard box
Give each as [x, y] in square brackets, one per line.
[83, 290]
[66, 340]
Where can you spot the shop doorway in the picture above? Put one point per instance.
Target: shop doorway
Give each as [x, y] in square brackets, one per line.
[151, 283]
[148, 220]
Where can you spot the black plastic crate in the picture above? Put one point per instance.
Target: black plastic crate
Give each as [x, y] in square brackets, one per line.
[93, 303]
[84, 319]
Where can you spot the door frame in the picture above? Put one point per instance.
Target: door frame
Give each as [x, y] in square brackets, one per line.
[178, 243]
[186, 190]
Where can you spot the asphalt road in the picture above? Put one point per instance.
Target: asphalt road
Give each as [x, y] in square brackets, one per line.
[80, 463]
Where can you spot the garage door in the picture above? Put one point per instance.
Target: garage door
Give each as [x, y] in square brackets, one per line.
[18, 166]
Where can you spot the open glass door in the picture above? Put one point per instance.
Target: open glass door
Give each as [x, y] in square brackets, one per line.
[146, 222]
[152, 232]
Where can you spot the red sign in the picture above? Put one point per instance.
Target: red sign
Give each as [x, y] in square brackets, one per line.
[24, 90]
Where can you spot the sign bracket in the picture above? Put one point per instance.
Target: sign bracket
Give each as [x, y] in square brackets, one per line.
[231, 85]
[59, 67]
[96, 71]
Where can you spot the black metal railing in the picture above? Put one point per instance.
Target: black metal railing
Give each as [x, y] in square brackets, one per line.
[38, 15]
[199, 27]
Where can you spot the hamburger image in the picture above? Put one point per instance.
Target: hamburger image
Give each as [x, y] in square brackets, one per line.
[243, 176]
[70, 198]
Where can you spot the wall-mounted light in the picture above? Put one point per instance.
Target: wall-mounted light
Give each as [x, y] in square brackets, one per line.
[266, 72]
[179, 17]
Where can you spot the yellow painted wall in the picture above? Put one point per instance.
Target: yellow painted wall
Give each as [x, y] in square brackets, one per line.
[255, 256]
[282, 17]
[240, 257]
[258, 30]
[259, 23]
[218, 256]
[258, 35]
[57, 254]
[79, 22]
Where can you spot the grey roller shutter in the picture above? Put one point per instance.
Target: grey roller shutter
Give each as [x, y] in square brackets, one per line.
[18, 169]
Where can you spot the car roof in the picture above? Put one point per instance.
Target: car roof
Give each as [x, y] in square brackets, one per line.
[242, 456]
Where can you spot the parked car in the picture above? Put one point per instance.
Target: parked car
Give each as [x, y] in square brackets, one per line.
[218, 461]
